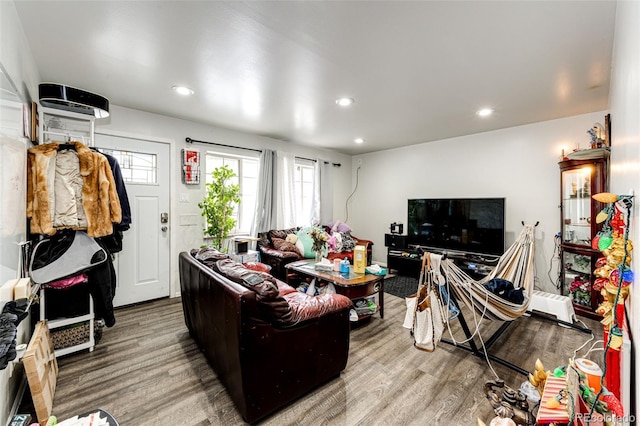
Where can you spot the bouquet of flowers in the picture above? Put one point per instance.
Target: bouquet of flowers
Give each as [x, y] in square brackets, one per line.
[319, 239]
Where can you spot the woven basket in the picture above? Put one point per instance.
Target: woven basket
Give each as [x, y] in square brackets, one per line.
[76, 334]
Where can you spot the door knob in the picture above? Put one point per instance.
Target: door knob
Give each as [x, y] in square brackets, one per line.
[164, 229]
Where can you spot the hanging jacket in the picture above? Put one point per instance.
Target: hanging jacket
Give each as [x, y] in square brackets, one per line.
[55, 198]
[121, 189]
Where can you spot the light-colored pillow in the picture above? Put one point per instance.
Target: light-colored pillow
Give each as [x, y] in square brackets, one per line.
[305, 243]
[291, 238]
[338, 244]
[338, 226]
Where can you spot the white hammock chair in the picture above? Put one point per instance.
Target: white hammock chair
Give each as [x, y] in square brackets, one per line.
[515, 265]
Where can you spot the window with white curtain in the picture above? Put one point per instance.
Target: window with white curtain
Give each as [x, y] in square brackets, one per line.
[246, 170]
[303, 178]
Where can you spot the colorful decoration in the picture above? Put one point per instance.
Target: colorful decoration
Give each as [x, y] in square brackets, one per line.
[605, 197]
[613, 270]
[613, 403]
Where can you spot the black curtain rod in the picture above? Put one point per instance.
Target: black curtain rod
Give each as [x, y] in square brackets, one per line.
[189, 140]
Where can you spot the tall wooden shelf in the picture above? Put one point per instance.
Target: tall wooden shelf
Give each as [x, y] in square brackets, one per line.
[579, 180]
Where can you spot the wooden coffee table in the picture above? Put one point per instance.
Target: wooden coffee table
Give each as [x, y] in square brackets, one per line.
[354, 286]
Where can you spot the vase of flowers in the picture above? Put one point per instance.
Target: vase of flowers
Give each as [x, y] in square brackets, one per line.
[319, 238]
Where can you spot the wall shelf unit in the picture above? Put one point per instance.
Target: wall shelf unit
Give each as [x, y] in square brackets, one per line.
[579, 180]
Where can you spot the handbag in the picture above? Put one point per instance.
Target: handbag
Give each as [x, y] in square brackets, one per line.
[63, 255]
[424, 314]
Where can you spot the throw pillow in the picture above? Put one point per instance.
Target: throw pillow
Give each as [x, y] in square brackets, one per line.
[291, 238]
[257, 266]
[282, 245]
[348, 243]
[337, 247]
[338, 226]
[274, 306]
[305, 243]
[281, 233]
[208, 256]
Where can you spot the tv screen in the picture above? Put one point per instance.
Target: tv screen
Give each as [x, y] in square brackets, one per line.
[474, 225]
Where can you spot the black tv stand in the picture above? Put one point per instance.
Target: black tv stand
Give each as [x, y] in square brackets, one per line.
[405, 258]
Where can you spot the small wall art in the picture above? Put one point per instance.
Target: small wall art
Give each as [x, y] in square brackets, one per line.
[190, 166]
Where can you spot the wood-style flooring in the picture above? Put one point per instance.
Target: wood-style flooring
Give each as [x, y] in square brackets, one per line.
[147, 370]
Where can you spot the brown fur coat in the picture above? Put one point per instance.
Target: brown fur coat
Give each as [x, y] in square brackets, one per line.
[99, 198]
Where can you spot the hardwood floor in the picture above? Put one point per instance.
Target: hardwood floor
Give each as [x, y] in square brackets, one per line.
[148, 371]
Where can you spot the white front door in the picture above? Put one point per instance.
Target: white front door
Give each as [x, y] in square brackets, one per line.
[142, 267]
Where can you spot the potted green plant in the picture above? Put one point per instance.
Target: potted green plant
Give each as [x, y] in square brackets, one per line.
[218, 203]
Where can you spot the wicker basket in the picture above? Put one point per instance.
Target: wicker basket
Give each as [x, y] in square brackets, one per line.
[76, 334]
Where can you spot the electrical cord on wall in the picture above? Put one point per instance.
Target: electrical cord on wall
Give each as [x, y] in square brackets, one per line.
[556, 252]
[346, 203]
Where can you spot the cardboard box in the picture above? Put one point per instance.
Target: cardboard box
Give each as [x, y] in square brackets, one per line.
[359, 259]
[42, 371]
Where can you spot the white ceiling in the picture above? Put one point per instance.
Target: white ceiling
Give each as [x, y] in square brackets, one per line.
[418, 70]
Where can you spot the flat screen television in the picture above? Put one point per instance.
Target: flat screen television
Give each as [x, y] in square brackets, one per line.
[474, 225]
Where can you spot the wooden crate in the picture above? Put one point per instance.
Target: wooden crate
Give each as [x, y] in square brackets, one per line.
[42, 371]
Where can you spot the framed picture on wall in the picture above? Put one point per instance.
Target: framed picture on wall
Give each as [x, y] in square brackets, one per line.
[190, 166]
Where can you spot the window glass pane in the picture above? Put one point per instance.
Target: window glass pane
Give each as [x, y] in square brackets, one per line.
[303, 192]
[136, 167]
[246, 170]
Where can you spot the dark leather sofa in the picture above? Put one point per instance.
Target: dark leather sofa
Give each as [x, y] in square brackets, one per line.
[264, 363]
[277, 259]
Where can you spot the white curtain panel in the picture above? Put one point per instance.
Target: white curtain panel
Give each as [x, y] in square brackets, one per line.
[322, 201]
[265, 216]
[285, 188]
[326, 192]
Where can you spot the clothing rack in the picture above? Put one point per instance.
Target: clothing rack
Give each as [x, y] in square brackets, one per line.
[189, 140]
[68, 137]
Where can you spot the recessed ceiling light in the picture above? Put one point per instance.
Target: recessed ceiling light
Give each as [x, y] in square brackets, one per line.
[182, 90]
[484, 112]
[344, 101]
[358, 140]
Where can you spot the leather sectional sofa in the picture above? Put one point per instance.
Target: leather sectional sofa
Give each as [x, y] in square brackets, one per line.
[277, 259]
[268, 343]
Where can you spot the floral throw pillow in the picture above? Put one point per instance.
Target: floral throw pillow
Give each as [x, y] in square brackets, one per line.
[348, 243]
[282, 245]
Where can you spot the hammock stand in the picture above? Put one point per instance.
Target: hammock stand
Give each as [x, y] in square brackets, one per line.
[515, 265]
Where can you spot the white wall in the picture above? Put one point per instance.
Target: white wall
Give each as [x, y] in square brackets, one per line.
[16, 58]
[519, 164]
[139, 123]
[625, 137]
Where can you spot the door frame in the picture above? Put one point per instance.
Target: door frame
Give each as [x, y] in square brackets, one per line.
[174, 289]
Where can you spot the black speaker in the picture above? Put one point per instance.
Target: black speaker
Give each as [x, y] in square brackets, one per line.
[395, 240]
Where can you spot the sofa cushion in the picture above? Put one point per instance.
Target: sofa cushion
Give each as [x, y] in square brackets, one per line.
[274, 306]
[305, 307]
[281, 233]
[285, 288]
[283, 245]
[208, 256]
[257, 266]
